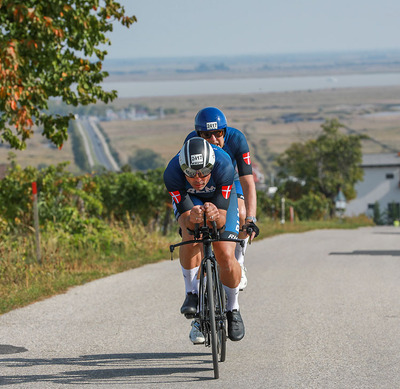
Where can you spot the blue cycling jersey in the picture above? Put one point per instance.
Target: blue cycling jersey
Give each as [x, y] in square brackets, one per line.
[235, 144]
[217, 191]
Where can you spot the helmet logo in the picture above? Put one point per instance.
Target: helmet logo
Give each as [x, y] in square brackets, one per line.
[196, 159]
[212, 125]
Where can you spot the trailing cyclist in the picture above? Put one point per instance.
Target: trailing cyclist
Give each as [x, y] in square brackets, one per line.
[200, 181]
[211, 124]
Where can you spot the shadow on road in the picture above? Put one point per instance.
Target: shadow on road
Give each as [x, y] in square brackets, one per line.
[9, 349]
[140, 368]
[394, 253]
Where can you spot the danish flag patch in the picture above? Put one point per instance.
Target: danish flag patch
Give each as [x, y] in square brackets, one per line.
[226, 191]
[246, 158]
[176, 196]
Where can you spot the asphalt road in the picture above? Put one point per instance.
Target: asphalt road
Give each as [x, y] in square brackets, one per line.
[322, 310]
[102, 154]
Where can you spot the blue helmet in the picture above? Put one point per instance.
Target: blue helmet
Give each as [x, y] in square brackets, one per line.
[210, 119]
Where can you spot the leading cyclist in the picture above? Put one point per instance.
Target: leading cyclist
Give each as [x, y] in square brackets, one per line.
[200, 180]
[211, 124]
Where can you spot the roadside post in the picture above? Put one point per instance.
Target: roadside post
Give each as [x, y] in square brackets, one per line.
[282, 210]
[36, 220]
[291, 211]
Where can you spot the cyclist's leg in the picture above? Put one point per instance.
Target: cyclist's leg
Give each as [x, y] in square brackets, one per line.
[239, 250]
[239, 253]
[230, 271]
[189, 254]
[190, 258]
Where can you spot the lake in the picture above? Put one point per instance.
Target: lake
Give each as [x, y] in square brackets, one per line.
[249, 85]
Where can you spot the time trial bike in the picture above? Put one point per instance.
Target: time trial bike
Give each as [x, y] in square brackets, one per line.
[211, 310]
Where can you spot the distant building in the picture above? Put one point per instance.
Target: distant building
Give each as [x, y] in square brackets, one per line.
[381, 184]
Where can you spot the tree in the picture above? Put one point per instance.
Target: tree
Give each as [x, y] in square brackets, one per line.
[146, 159]
[325, 163]
[51, 49]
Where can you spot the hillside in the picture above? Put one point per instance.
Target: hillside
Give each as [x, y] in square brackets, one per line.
[271, 121]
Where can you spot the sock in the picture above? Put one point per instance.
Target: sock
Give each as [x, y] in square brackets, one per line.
[239, 251]
[191, 281]
[232, 295]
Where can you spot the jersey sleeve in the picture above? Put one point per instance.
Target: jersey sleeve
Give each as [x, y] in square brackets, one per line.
[175, 181]
[242, 155]
[223, 174]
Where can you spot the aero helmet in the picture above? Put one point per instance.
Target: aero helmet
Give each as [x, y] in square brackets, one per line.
[196, 155]
[210, 119]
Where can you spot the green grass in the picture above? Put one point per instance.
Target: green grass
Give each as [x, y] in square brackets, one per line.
[270, 228]
[66, 264]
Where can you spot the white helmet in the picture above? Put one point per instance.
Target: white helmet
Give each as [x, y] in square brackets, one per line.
[197, 156]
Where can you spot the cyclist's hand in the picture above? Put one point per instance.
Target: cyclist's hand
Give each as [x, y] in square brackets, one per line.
[212, 212]
[196, 214]
[251, 229]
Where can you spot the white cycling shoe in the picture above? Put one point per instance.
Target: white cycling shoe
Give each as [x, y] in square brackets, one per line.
[196, 336]
[243, 280]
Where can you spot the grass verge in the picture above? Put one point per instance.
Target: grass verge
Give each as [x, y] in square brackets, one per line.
[70, 261]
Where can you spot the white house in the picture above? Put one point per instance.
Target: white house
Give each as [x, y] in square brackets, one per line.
[381, 184]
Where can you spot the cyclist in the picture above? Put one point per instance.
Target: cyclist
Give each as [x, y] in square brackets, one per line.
[200, 180]
[211, 124]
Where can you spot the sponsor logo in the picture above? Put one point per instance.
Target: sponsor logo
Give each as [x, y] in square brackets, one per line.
[176, 196]
[246, 158]
[226, 191]
[196, 159]
[232, 236]
[212, 126]
[205, 190]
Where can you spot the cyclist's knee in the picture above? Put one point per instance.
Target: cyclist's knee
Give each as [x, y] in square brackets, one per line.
[226, 259]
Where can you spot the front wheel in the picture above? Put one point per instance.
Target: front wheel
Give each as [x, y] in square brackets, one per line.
[211, 310]
[222, 323]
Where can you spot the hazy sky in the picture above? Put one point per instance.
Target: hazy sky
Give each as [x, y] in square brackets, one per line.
[182, 28]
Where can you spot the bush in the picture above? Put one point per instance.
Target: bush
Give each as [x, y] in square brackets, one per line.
[312, 206]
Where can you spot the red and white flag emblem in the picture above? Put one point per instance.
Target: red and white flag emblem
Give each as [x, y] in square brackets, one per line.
[176, 196]
[226, 191]
[246, 158]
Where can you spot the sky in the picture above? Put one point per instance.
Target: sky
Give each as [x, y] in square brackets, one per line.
[186, 28]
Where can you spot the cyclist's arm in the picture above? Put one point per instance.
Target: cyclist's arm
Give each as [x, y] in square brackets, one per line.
[196, 215]
[215, 214]
[250, 194]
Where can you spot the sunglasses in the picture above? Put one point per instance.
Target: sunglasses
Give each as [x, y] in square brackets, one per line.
[209, 134]
[200, 173]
